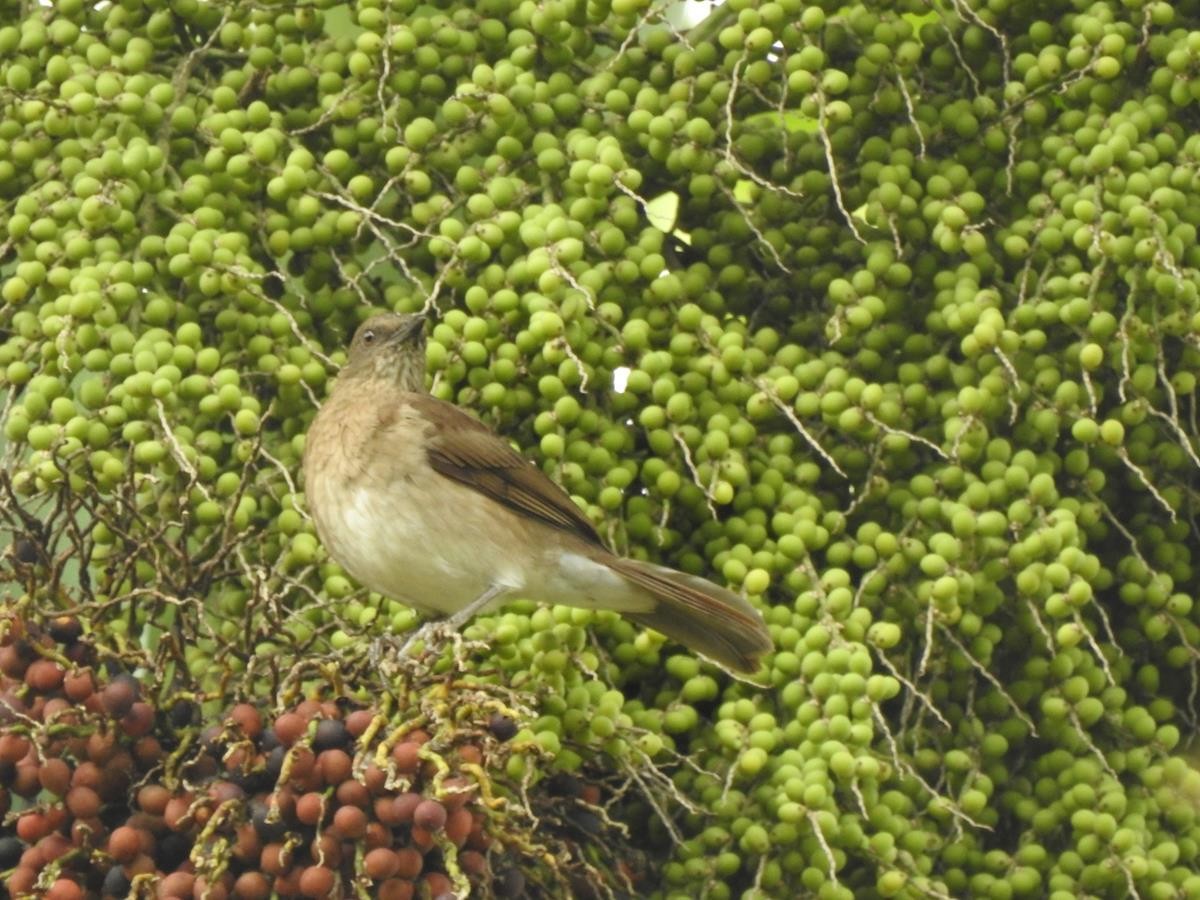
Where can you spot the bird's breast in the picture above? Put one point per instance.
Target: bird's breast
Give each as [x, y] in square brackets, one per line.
[396, 525]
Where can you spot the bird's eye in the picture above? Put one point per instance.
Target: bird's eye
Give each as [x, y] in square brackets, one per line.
[368, 337]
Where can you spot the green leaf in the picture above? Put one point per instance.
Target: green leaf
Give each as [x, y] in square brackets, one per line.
[663, 211]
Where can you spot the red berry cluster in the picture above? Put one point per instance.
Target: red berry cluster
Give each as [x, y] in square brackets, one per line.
[71, 745]
[103, 792]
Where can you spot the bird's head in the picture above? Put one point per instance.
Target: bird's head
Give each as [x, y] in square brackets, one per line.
[390, 347]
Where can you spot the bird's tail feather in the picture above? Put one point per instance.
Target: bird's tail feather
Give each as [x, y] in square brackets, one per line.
[708, 619]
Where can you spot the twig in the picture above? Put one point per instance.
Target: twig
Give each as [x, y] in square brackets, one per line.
[1091, 746]
[666, 820]
[901, 766]
[912, 112]
[1087, 633]
[177, 451]
[983, 670]
[563, 344]
[900, 432]
[967, 12]
[914, 690]
[928, 648]
[1123, 455]
[820, 835]
[823, 133]
[687, 458]
[731, 157]
[767, 389]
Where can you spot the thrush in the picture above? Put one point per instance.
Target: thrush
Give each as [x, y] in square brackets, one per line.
[421, 502]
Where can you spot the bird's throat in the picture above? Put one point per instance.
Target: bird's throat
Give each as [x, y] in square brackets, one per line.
[402, 368]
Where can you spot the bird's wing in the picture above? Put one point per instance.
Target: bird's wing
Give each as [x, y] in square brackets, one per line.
[466, 450]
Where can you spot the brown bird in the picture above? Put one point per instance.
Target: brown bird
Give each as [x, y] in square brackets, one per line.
[421, 502]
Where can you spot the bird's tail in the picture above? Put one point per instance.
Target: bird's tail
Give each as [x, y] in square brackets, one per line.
[707, 619]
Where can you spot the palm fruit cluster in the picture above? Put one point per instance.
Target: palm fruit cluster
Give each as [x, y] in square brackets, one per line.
[884, 313]
[109, 792]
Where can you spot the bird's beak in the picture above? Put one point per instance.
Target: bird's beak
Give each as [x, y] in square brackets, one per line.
[416, 330]
[411, 331]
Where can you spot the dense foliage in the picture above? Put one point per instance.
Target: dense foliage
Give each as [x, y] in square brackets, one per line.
[886, 314]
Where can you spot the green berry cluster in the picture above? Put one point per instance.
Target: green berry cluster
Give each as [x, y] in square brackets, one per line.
[884, 314]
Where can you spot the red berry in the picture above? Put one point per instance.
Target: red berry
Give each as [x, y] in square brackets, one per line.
[124, 843]
[55, 776]
[119, 695]
[248, 719]
[79, 685]
[252, 886]
[350, 822]
[407, 758]
[64, 889]
[396, 889]
[310, 808]
[380, 864]
[316, 881]
[430, 815]
[335, 766]
[403, 807]
[177, 884]
[44, 675]
[409, 862]
[288, 727]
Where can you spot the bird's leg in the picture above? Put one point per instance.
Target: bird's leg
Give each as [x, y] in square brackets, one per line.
[464, 615]
[453, 623]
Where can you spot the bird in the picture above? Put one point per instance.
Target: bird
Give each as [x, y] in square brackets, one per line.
[422, 502]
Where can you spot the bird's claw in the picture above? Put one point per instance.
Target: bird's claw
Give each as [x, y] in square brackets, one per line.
[383, 656]
[390, 653]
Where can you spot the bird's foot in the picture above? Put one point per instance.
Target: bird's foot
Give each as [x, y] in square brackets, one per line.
[383, 656]
[420, 642]
[428, 634]
[431, 637]
[402, 657]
